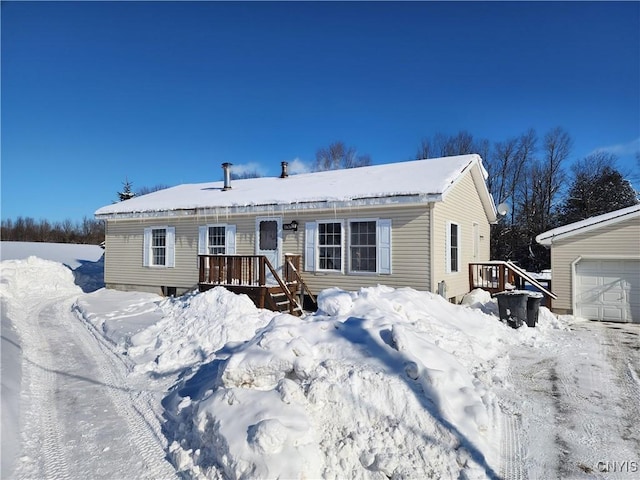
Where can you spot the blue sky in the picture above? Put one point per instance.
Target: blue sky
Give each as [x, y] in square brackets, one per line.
[94, 93]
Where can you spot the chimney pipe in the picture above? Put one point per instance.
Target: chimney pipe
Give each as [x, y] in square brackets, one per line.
[284, 173]
[226, 167]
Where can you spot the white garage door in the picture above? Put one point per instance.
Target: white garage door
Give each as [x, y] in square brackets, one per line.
[608, 290]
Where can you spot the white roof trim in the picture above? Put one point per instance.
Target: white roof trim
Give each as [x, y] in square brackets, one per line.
[587, 225]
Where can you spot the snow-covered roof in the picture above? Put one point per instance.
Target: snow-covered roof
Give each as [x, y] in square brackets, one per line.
[548, 237]
[411, 181]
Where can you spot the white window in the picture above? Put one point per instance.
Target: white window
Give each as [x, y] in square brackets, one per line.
[362, 246]
[217, 239]
[330, 246]
[369, 246]
[453, 247]
[159, 247]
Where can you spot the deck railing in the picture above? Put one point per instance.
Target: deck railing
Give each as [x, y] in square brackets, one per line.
[498, 276]
[293, 278]
[252, 271]
[249, 270]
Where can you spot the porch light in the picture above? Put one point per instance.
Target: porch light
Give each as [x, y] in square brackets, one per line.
[293, 226]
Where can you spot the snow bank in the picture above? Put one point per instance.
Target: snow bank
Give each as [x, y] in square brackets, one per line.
[20, 277]
[194, 327]
[72, 255]
[168, 335]
[379, 383]
[86, 261]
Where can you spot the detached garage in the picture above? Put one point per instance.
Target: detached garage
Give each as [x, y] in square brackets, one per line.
[595, 266]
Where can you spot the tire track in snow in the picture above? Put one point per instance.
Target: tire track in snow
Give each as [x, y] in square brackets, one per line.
[625, 355]
[511, 448]
[134, 405]
[82, 419]
[41, 434]
[584, 436]
[512, 452]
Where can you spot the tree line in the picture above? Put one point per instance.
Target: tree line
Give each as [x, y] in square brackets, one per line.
[26, 229]
[530, 174]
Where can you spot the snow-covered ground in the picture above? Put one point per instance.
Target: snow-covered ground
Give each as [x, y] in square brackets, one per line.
[379, 383]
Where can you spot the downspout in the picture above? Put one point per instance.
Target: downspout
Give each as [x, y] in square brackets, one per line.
[432, 250]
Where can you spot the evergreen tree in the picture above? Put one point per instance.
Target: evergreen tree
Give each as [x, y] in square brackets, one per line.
[126, 192]
[598, 187]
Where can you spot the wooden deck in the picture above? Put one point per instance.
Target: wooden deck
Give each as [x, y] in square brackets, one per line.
[256, 277]
[498, 276]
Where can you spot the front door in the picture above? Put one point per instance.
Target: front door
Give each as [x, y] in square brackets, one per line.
[269, 242]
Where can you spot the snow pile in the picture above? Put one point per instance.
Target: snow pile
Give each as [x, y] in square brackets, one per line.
[169, 335]
[379, 383]
[20, 277]
[193, 327]
[86, 261]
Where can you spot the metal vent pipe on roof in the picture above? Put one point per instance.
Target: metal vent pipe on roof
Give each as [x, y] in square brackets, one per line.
[226, 167]
[284, 173]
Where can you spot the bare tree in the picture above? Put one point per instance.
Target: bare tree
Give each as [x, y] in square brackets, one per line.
[506, 166]
[442, 145]
[501, 170]
[556, 149]
[26, 229]
[338, 155]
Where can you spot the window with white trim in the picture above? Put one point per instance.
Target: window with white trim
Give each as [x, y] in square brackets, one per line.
[217, 239]
[362, 246]
[159, 247]
[453, 247]
[367, 243]
[330, 246]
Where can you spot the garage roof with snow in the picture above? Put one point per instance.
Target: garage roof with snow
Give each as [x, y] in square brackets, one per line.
[548, 237]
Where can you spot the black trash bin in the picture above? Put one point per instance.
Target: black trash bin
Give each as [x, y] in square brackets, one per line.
[533, 308]
[512, 306]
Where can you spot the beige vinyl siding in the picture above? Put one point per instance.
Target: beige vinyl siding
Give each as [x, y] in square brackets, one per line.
[409, 248]
[409, 241]
[124, 250]
[620, 240]
[462, 206]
